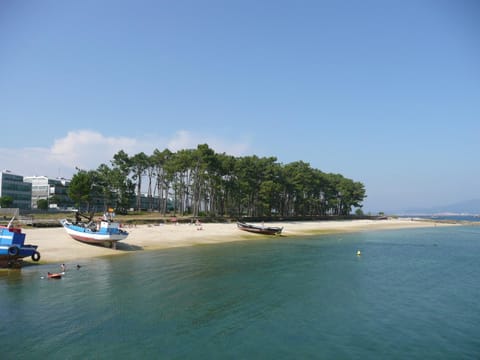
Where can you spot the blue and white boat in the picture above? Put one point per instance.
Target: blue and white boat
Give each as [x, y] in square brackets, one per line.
[13, 248]
[104, 232]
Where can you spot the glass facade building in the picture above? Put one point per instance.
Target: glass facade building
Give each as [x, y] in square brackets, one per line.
[13, 186]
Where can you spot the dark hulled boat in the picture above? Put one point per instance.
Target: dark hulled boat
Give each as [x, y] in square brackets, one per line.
[259, 229]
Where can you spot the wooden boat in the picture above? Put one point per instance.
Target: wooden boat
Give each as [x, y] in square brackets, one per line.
[266, 230]
[102, 232]
[54, 275]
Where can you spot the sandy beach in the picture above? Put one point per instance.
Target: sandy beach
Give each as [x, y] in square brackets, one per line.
[56, 246]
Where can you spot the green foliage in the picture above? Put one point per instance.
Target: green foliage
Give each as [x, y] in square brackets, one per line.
[54, 199]
[200, 181]
[81, 189]
[42, 204]
[6, 201]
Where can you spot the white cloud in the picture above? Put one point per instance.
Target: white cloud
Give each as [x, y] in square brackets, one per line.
[25, 161]
[87, 149]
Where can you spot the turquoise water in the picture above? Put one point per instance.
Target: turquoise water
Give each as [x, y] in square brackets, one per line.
[413, 294]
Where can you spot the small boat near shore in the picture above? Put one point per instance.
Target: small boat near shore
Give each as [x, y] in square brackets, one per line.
[13, 248]
[258, 229]
[104, 232]
[55, 275]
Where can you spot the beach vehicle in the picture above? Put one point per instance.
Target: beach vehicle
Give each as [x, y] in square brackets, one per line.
[104, 231]
[266, 230]
[13, 248]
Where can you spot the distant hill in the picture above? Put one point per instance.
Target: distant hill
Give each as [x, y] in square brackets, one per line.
[463, 207]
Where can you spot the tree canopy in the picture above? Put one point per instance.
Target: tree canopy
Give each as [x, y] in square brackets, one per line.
[6, 201]
[200, 181]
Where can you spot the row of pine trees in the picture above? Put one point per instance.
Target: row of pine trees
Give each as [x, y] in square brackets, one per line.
[202, 182]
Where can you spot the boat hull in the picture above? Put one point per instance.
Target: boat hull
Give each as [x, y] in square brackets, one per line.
[13, 248]
[269, 230]
[106, 235]
[55, 275]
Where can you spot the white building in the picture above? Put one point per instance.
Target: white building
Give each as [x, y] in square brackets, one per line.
[44, 188]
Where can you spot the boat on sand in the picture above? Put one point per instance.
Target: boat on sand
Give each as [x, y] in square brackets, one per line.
[104, 231]
[260, 229]
[13, 248]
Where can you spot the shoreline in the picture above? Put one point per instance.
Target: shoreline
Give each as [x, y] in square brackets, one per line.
[56, 246]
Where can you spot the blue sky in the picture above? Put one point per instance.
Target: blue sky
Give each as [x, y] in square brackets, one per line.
[383, 92]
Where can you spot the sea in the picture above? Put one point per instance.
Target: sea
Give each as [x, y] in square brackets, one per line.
[461, 218]
[410, 294]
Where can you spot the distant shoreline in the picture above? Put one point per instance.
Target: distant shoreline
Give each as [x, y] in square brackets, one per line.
[56, 246]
